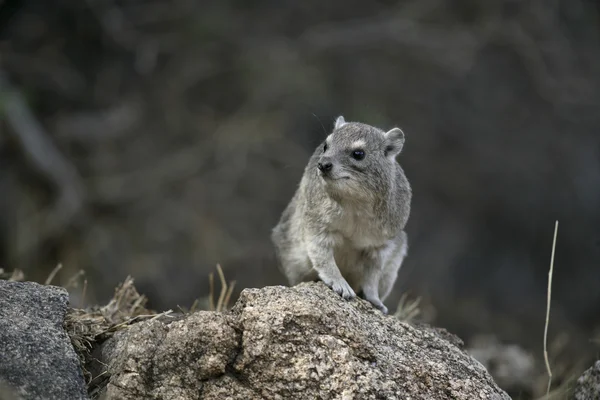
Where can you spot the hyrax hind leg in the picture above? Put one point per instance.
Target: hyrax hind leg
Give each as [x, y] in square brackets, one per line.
[372, 269]
[392, 263]
[370, 285]
[380, 269]
[292, 260]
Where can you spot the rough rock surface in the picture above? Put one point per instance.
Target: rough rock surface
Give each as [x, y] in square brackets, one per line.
[302, 342]
[588, 384]
[37, 358]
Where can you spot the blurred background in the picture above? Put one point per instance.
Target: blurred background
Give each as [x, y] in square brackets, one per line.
[158, 138]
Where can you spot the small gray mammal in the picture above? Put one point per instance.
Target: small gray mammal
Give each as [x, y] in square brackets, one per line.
[345, 223]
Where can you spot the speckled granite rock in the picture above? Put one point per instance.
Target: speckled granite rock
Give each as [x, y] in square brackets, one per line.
[588, 384]
[291, 343]
[37, 360]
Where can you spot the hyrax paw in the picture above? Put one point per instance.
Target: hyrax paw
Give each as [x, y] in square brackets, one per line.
[383, 309]
[341, 287]
[378, 305]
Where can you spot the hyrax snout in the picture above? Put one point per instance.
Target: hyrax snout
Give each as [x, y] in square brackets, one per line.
[345, 223]
[325, 165]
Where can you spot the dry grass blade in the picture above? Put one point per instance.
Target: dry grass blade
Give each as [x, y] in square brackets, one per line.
[53, 274]
[228, 295]
[73, 281]
[151, 317]
[17, 276]
[223, 288]
[548, 369]
[88, 326]
[83, 293]
[211, 292]
[96, 324]
[224, 296]
[194, 306]
[407, 309]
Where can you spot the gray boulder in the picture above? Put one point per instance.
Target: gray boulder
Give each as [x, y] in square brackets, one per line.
[290, 343]
[37, 359]
[588, 384]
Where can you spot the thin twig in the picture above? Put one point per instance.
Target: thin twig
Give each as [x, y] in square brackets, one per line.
[548, 311]
[53, 273]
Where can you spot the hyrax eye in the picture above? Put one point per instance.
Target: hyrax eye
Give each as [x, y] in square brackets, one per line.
[358, 154]
[325, 148]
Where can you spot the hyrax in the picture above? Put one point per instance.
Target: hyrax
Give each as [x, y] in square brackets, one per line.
[345, 223]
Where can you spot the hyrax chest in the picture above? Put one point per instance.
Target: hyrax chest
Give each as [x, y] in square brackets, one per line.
[358, 228]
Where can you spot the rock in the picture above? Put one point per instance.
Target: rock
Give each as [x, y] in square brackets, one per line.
[37, 359]
[588, 384]
[290, 343]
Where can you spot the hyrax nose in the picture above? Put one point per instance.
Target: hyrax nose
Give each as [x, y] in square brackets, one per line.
[325, 166]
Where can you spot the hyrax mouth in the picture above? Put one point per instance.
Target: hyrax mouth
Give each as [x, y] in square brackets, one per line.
[329, 177]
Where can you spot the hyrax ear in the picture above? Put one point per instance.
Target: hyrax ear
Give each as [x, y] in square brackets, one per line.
[394, 141]
[339, 122]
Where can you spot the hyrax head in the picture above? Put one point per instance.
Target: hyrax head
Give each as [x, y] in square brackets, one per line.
[357, 155]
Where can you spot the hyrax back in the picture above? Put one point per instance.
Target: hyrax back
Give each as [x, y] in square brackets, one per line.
[345, 223]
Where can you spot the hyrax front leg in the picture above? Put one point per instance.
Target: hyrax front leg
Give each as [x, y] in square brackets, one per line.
[320, 252]
[370, 285]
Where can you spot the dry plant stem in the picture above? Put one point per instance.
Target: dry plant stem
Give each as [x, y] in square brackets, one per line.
[223, 288]
[228, 295]
[136, 304]
[137, 317]
[72, 282]
[17, 276]
[211, 292]
[83, 293]
[194, 306]
[53, 274]
[98, 376]
[548, 310]
[163, 314]
[407, 309]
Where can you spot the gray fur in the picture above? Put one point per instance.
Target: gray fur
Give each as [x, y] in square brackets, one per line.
[346, 226]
